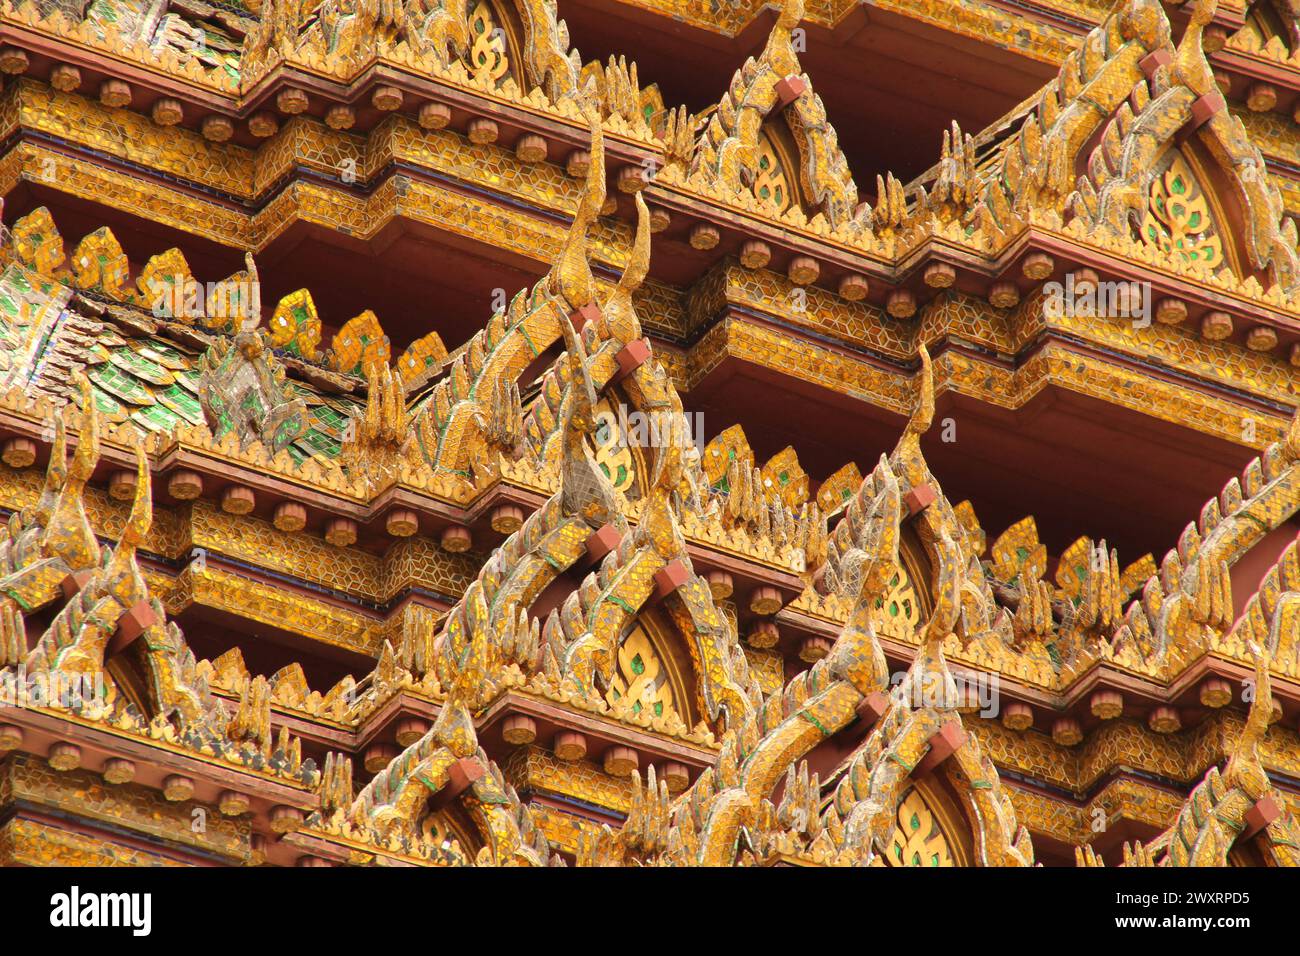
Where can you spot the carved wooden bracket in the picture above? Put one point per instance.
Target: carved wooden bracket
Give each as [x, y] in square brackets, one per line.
[788, 90]
[1154, 61]
[601, 542]
[872, 708]
[460, 777]
[588, 313]
[1259, 816]
[1206, 108]
[137, 619]
[944, 744]
[631, 357]
[73, 583]
[670, 577]
[919, 498]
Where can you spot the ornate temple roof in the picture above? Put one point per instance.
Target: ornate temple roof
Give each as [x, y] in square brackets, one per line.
[392, 602]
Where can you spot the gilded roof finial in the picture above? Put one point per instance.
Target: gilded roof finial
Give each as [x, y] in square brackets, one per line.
[1190, 65]
[790, 15]
[638, 263]
[580, 413]
[780, 50]
[87, 454]
[122, 577]
[141, 517]
[620, 316]
[69, 535]
[572, 278]
[55, 475]
[1244, 769]
[254, 318]
[907, 454]
[930, 670]
[659, 526]
[923, 412]
[947, 596]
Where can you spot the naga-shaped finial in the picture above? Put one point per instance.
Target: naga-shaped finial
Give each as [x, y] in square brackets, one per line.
[659, 525]
[122, 578]
[464, 662]
[254, 317]
[1190, 66]
[923, 412]
[572, 278]
[55, 475]
[87, 454]
[780, 52]
[141, 517]
[872, 560]
[69, 535]
[620, 316]
[864, 574]
[947, 598]
[581, 411]
[1244, 769]
[929, 674]
[907, 455]
[790, 15]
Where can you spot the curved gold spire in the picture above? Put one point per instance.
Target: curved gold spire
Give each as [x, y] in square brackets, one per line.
[580, 415]
[638, 263]
[55, 475]
[141, 517]
[87, 454]
[572, 277]
[254, 318]
[907, 453]
[947, 596]
[780, 44]
[121, 577]
[790, 15]
[620, 316]
[69, 535]
[1244, 769]
[1190, 65]
[584, 488]
[923, 412]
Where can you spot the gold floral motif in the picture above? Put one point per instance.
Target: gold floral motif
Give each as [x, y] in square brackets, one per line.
[771, 185]
[613, 455]
[898, 613]
[1178, 220]
[918, 840]
[487, 56]
[641, 677]
[360, 346]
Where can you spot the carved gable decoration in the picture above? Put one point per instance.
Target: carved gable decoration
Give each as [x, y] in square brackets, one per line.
[243, 392]
[1178, 220]
[740, 150]
[1127, 177]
